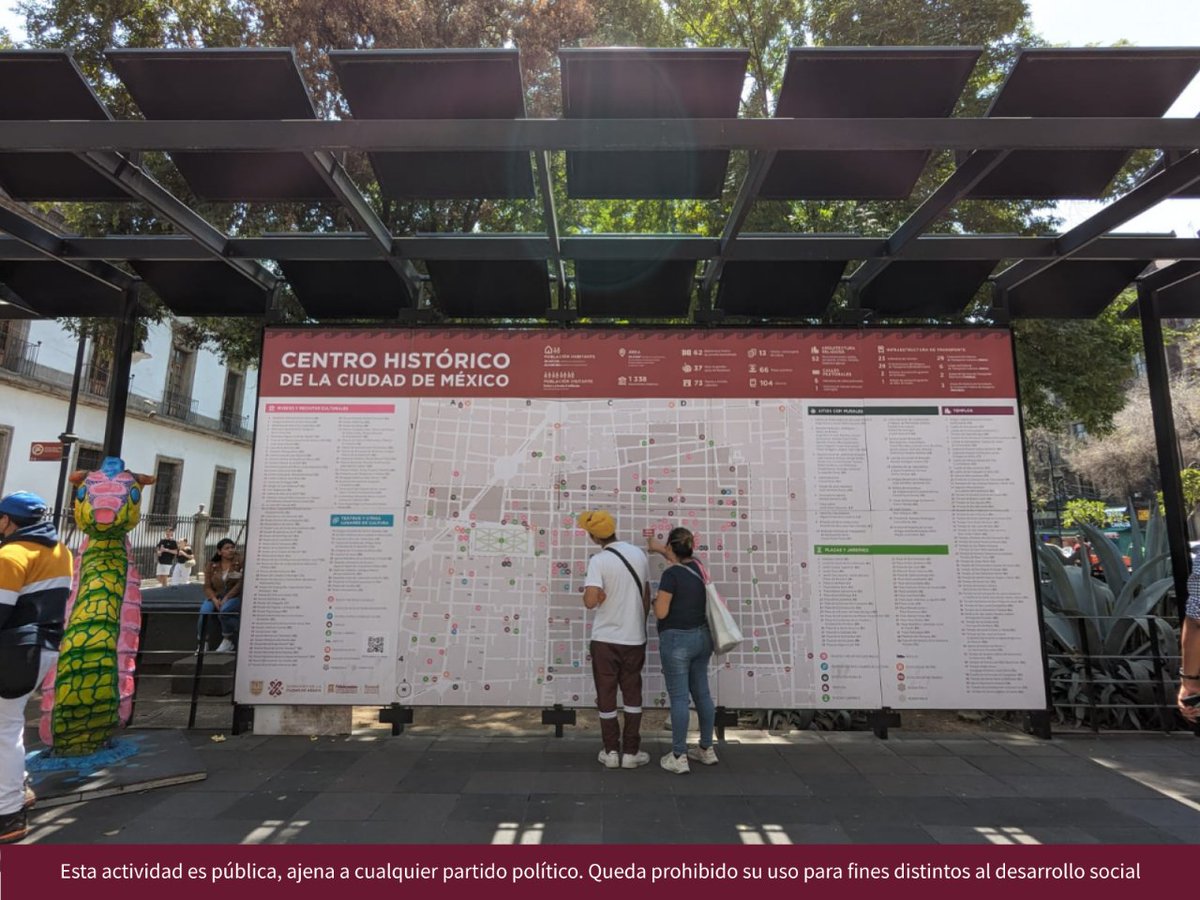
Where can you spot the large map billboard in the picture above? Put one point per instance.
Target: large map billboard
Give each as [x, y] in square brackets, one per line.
[859, 497]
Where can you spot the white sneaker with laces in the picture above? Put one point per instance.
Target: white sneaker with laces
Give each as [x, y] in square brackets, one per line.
[610, 759]
[226, 646]
[676, 765]
[705, 755]
[633, 760]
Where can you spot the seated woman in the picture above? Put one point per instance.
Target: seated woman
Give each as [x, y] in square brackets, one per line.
[223, 593]
[685, 647]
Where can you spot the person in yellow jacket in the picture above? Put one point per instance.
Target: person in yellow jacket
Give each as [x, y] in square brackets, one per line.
[36, 570]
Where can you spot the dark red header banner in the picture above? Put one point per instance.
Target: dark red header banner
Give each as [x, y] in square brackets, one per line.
[635, 364]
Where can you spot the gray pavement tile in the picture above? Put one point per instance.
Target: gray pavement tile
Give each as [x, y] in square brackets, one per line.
[582, 783]
[802, 833]
[909, 785]
[1089, 812]
[893, 811]
[573, 832]
[841, 785]
[627, 832]
[888, 834]
[1066, 764]
[500, 782]
[909, 747]
[1026, 746]
[713, 834]
[434, 782]
[471, 832]
[1104, 786]
[715, 809]
[175, 830]
[973, 747]
[960, 834]
[641, 813]
[812, 811]
[564, 808]
[979, 785]
[531, 761]
[289, 780]
[772, 785]
[1005, 765]
[191, 804]
[403, 831]
[1161, 812]
[493, 808]
[1010, 811]
[882, 765]
[1010, 835]
[406, 807]
[270, 805]
[1143, 835]
[943, 765]
[437, 761]
[821, 764]
[359, 781]
[235, 779]
[340, 806]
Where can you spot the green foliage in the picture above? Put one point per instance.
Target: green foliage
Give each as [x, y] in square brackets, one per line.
[1191, 486]
[1080, 512]
[1103, 636]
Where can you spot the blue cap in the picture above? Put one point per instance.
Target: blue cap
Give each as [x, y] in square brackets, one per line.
[23, 505]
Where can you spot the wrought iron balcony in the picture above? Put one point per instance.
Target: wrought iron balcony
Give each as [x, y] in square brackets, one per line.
[19, 356]
[180, 407]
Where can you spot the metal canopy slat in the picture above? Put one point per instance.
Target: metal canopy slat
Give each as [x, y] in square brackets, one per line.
[48, 85]
[347, 290]
[634, 288]
[650, 84]
[502, 289]
[1082, 83]
[203, 288]
[244, 84]
[853, 82]
[924, 289]
[1073, 289]
[439, 84]
[778, 290]
[52, 289]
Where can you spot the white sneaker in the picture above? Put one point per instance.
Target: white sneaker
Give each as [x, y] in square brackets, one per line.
[707, 756]
[226, 646]
[610, 759]
[676, 765]
[633, 760]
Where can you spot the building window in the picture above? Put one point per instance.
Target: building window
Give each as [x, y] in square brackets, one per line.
[165, 503]
[6, 434]
[222, 493]
[231, 402]
[181, 369]
[16, 353]
[88, 457]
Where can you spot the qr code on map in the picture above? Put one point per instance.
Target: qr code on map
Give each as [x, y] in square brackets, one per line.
[376, 644]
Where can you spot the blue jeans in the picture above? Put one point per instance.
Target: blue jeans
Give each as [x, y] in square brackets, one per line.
[229, 616]
[685, 655]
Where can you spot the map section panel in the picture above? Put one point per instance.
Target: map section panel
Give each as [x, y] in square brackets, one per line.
[858, 497]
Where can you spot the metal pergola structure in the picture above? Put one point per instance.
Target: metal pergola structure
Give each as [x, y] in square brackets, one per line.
[850, 124]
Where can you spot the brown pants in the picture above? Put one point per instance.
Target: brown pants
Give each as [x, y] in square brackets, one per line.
[619, 666]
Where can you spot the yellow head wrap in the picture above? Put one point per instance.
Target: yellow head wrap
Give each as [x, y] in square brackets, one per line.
[598, 524]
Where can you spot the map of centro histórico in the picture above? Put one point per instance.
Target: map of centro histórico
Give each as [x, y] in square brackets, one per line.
[833, 481]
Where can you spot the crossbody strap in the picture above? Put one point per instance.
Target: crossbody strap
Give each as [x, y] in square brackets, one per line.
[703, 578]
[636, 580]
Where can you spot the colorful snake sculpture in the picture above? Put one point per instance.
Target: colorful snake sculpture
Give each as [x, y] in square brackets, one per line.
[91, 693]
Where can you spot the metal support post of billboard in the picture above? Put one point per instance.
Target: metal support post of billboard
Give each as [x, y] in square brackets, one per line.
[881, 720]
[243, 718]
[558, 717]
[725, 718]
[1037, 723]
[397, 716]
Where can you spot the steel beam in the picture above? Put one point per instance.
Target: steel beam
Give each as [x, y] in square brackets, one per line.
[118, 386]
[550, 221]
[350, 197]
[353, 247]
[370, 135]
[954, 188]
[1165, 184]
[756, 174]
[132, 178]
[41, 243]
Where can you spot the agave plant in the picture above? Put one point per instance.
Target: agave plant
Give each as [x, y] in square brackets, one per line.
[1110, 649]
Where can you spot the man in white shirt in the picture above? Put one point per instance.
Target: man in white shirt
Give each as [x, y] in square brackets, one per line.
[618, 589]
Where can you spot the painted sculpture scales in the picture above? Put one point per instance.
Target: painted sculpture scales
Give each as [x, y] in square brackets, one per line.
[90, 694]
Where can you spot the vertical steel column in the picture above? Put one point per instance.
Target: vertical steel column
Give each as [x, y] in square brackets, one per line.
[118, 389]
[1169, 463]
[68, 437]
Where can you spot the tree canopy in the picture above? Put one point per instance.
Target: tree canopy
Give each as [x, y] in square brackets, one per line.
[1070, 371]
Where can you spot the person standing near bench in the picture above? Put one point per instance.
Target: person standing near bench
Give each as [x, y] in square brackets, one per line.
[166, 553]
[618, 589]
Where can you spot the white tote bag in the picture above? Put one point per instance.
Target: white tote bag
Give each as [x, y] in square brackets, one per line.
[724, 630]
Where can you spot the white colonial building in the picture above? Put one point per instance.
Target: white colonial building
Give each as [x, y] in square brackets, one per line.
[189, 422]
